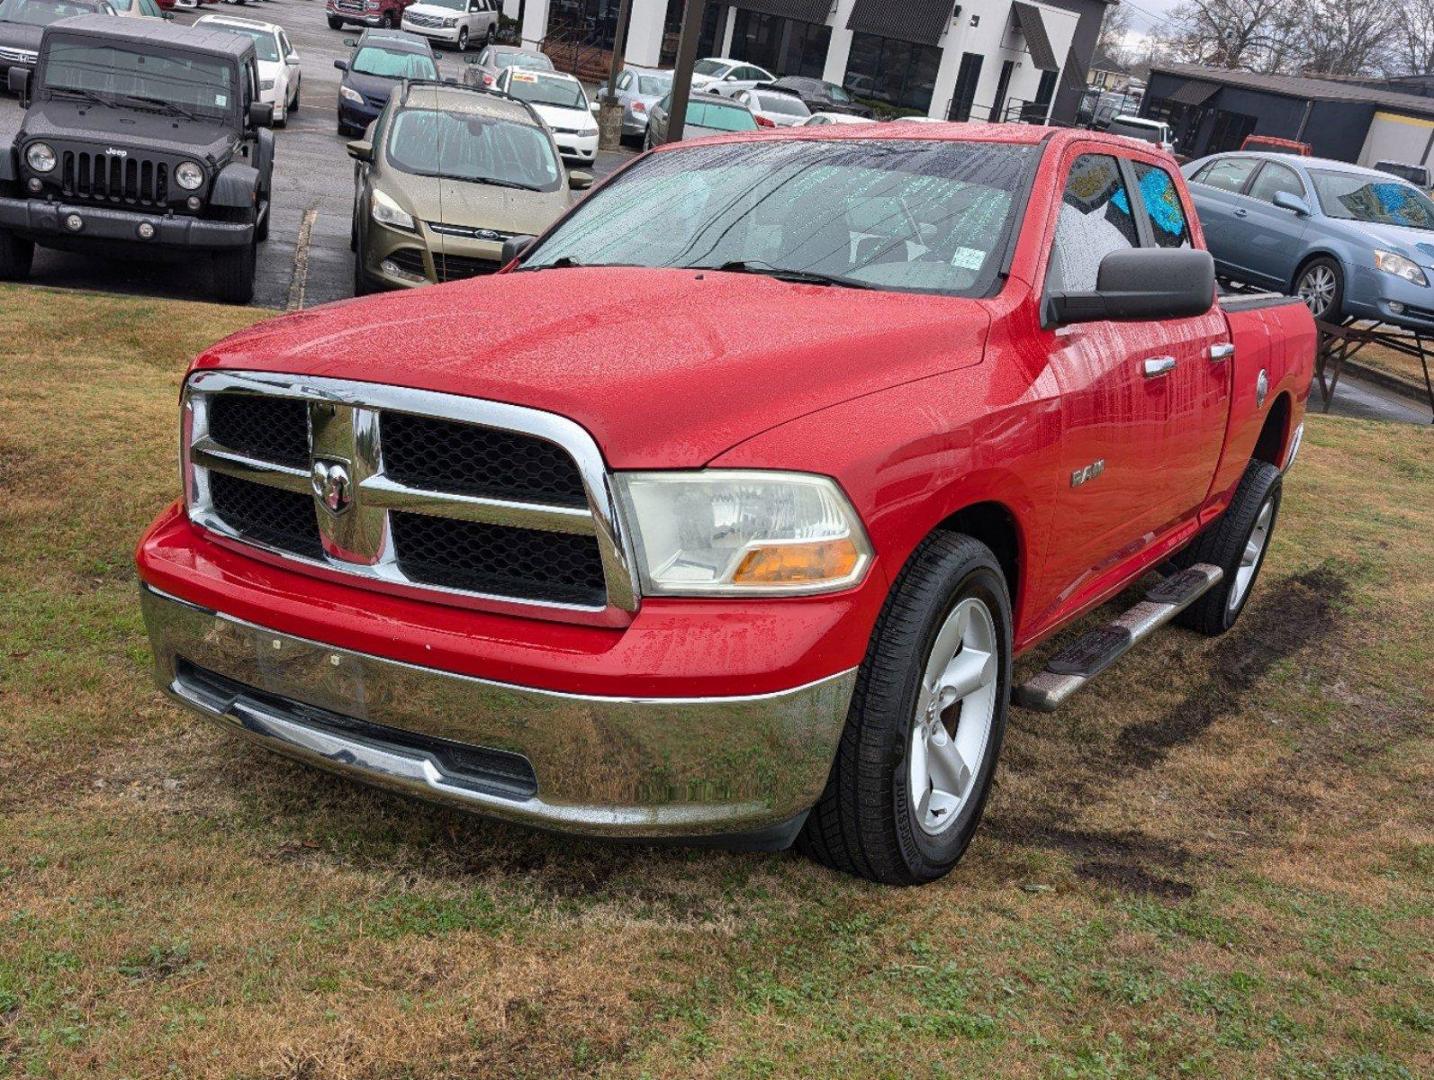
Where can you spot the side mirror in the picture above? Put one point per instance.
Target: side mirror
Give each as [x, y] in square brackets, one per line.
[578, 180]
[515, 246]
[261, 114]
[1288, 200]
[596, 106]
[342, 65]
[350, 43]
[292, 60]
[19, 80]
[1141, 285]
[361, 150]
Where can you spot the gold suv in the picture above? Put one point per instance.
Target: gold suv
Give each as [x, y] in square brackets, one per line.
[443, 178]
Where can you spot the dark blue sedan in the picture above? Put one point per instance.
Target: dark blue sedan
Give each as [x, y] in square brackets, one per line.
[381, 60]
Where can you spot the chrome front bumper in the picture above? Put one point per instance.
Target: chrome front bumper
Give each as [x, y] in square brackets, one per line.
[743, 769]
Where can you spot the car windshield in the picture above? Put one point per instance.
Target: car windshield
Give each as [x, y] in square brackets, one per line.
[535, 61]
[653, 85]
[1146, 133]
[718, 117]
[781, 103]
[42, 12]
[192, 81]
[393, 65]
[1356, 197]
[839, 95]
[466, 146]
[899, 215]
[711, 67]
[560, 93]
[266, 45]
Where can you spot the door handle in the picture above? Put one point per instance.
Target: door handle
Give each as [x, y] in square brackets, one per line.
[1157, 366]
[1221, 352]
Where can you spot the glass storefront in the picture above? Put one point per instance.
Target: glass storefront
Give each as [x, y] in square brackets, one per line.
[781, 45]
[899, 75]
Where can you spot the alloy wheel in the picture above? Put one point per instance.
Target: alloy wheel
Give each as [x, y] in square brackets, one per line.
[1317, 288]
[955, 708]
[1251, 556]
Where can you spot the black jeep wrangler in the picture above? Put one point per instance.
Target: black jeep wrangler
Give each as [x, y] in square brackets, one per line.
[139, 140]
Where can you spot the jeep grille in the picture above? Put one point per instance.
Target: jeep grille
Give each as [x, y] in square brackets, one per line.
[475, 501]
[111, 179]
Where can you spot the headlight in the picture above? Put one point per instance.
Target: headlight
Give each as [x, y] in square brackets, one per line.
[348, 93]
[387, 212]
[189, 176]
[449, 24]
[1399, 266]
[724, 533]
[266, 84]
[40, 157]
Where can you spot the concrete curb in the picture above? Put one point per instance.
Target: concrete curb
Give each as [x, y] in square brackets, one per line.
[1392, 383]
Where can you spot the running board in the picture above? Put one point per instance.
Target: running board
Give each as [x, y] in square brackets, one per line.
[1091, 653]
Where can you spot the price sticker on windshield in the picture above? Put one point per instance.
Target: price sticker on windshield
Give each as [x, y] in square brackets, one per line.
[520, 76]
[968, 258]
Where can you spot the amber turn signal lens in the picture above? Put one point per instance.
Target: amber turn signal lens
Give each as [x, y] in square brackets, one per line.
[790, 564]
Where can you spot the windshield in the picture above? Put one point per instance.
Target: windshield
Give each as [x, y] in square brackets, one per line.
[653, 85]
[393, 65]
[560, 93]
[189, 80]
[42, 12]
[266, 46]
[1355, 197]
[905, 216]
[465, 146]
[536, 61]
[840, 96]
[780, 103]
[1150, 134]
[711, 67]
[717, 117]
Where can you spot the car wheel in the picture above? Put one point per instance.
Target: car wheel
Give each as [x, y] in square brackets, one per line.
[362, 285]
[298, 91]
[234, 275]
[386, 20]
[1320, 285]
[919, 750]
[335, 24]
[463, 39]
[17, 255]
[1236, 543]
[492, 34]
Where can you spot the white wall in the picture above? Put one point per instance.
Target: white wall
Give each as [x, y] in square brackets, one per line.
[1393, 137]
[644, 39]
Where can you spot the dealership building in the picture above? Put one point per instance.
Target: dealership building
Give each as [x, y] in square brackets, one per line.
[988, 59]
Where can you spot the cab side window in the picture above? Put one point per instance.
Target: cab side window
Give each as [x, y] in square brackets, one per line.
[1273, 179]
[1095, 219]
[1162, 206]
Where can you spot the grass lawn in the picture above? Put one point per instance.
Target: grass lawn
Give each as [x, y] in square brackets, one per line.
[1405, 368]
[1215, 862]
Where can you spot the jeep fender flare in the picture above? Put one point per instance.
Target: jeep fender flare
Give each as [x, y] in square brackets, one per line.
[236, 185]
[264, 157]
[9, 161]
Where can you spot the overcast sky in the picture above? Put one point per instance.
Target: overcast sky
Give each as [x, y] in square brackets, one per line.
[1145, 15]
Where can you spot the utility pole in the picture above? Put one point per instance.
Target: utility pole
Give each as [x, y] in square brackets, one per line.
[686, 59]
[609, 112]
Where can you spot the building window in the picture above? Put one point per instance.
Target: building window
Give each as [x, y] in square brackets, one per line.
[779, 44]
[898, 74]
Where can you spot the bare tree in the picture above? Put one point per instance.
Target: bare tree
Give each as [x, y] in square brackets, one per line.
[1348, 37]
[1412, 49]
[1110, 48]
[1256, 35]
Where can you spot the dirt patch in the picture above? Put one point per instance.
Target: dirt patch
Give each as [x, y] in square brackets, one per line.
[1302, 615]
[1136, 879]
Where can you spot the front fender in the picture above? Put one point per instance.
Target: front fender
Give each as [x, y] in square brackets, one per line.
[9, 161]
[236, 185]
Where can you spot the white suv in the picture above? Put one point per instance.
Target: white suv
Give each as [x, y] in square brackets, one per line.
[458, 23]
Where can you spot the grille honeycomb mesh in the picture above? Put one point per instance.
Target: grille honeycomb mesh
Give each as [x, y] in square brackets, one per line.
[274, 429]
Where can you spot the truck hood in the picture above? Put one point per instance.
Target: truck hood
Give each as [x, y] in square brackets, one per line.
[665, 368]
[479, 206]
[15, 35]
[131, 129]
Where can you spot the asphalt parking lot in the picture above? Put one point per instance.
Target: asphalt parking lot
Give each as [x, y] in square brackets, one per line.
[306, 260]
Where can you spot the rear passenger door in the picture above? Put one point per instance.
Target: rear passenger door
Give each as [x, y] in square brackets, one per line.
[1273, 235]
[1219, 190]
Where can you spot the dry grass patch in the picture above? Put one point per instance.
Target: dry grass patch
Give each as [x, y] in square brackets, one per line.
[1217, 862]
[1405, 368]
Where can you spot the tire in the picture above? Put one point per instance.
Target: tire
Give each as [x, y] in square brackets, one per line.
[874, 820]
[261, 231]
[386, 21]
[1237, 544]
[234, 275]
[335, 24]
[17, 255]
[492, 35]
[362, 285]
[1320, 284]
[298, 92]
[463, 39]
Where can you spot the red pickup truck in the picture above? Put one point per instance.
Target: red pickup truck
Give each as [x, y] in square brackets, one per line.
[723, 512]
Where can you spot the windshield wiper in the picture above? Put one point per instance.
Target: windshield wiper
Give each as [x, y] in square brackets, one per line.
[162, 104]
[496, 181]
[796, 277]
[85, 95]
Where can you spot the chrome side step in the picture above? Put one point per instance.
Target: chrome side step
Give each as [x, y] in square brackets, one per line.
[1090, 654]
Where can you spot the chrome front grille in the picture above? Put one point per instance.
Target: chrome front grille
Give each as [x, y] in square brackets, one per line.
[473, 502]
[20, 57]
[432, 22]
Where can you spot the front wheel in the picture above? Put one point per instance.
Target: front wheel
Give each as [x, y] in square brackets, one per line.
[234, 275]
[386, 21]
[463, 39]
[919, 750]
[1321, 286]
[17, 255]
[335, 24]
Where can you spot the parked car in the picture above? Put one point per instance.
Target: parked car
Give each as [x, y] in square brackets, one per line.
[1138, 127]
[721, 75]
[455, 23]
[382, 14]
[381, 60]
[773, 108]
[562, 103]
[639, 89]
[141, 9]
[704, 117]
[710, 520]
[820, 96]
[484, 69]
[174, 166]
[280, 74]
[449, 175]
[1418, 175]
[1268, 144]
[1350, 242]
[22, 22]
[827, 119]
